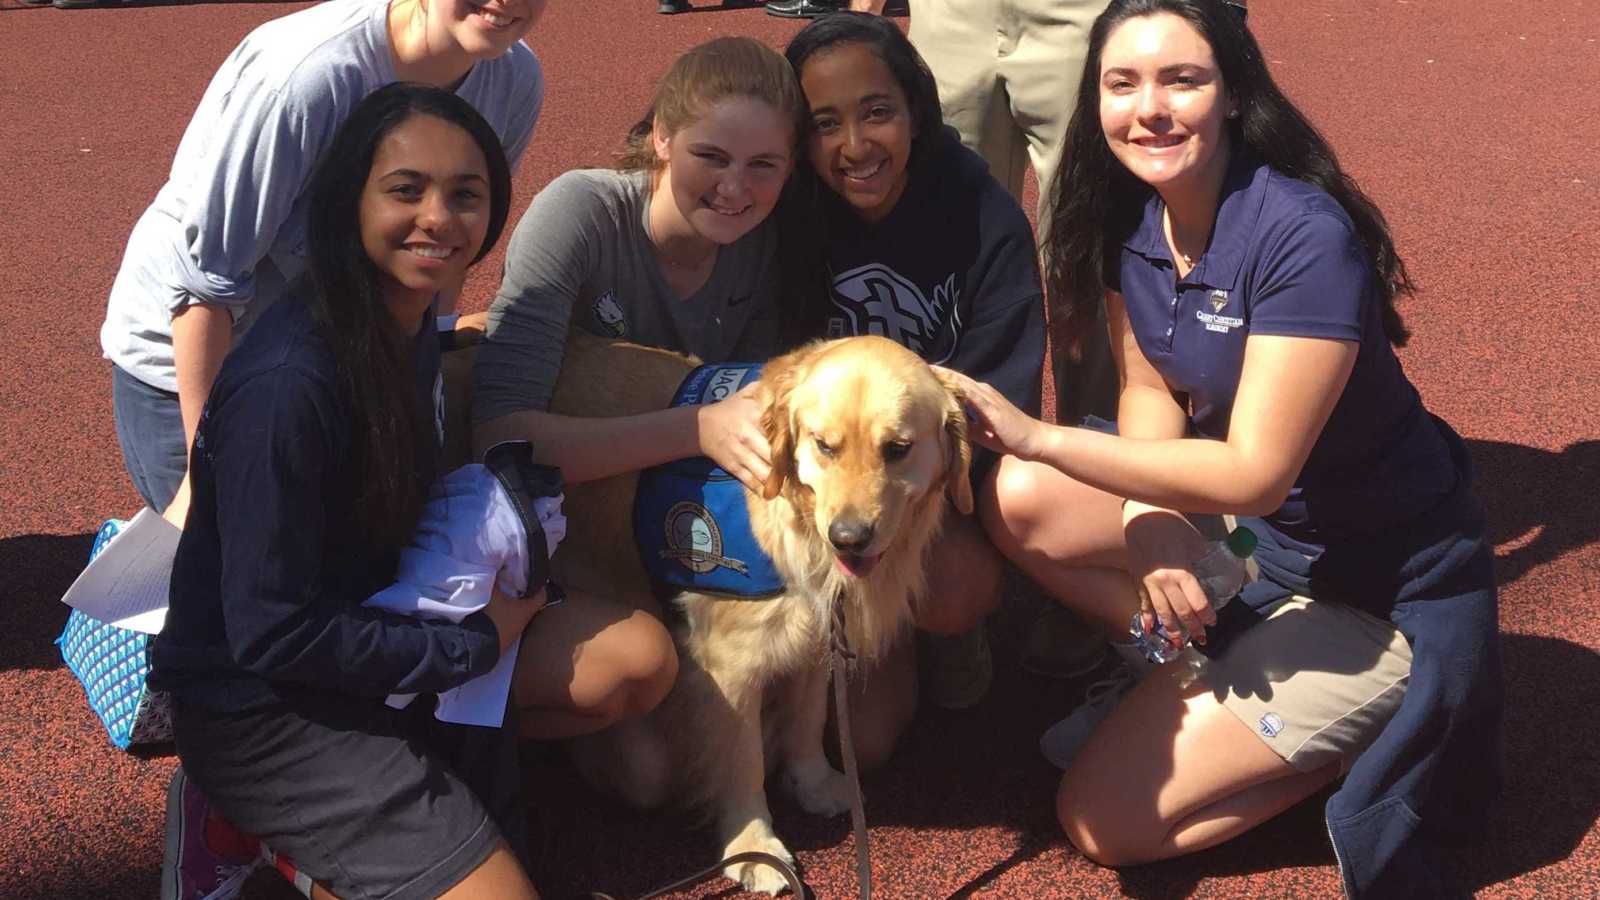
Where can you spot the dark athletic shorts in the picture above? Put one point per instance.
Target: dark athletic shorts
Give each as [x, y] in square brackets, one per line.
[369, 801]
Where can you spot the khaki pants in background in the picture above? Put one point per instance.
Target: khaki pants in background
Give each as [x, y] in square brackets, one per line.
[1008, 73]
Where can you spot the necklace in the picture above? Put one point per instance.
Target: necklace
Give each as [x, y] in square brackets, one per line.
[1172, 239]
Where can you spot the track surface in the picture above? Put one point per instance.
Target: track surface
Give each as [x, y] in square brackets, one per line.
[1472, 124]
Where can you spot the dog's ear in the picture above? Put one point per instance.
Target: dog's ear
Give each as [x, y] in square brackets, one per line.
[958, 455]
[778, 380]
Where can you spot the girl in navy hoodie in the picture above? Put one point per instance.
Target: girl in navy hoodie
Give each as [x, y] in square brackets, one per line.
[312, 461]
[918, 243]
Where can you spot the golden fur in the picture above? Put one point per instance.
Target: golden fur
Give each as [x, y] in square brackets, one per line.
[751, 693]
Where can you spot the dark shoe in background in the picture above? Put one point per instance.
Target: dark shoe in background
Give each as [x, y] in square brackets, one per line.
[802, 9]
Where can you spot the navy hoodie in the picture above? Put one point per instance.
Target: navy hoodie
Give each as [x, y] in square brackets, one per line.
[951, 273]
[273, 565]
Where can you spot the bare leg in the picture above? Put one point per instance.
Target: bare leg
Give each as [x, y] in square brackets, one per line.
[1080, 557]
[588, 664]
[965, 575]
[499, 877]
[1171, 771]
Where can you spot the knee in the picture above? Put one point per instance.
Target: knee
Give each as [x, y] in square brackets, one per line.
[656, 667]
[957, 610]
[965, 576]
[1012, 503]
[648, 664]
[631, 668]
[1086, 824]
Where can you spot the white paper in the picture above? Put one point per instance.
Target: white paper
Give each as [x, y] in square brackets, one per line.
[127, 583]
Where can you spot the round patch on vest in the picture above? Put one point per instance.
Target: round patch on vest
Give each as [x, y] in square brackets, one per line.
[695, 541]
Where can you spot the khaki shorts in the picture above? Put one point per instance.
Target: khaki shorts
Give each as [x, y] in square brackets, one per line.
[1315, 681]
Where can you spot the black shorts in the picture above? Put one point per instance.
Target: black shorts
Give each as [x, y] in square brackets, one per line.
[369, 801]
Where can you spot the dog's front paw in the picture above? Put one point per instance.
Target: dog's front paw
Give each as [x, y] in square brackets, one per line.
[758, 877]
[821, 789]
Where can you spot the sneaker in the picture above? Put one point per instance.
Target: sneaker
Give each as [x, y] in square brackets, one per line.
[672, 7]
[1061, 742]
[207, 858]
[960, 668]
[1059, 645]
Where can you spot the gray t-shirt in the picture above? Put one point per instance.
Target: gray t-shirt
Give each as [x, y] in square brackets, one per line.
[582, 257]
[229, 226]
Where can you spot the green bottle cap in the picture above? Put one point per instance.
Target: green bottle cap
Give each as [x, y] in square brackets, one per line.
[1242, 542]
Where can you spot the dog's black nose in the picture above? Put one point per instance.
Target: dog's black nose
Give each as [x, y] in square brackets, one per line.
[850, 536]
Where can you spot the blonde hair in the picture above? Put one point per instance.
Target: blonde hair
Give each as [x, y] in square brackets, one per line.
[701, 78]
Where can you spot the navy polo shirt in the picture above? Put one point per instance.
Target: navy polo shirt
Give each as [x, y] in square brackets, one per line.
[1285, 260]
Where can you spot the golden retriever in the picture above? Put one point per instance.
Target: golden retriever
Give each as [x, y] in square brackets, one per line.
[866, 440]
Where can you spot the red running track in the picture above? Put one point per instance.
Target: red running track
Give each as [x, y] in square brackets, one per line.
[1472, 123]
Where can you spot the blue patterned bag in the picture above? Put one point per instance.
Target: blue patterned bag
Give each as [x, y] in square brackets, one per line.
[111, 663]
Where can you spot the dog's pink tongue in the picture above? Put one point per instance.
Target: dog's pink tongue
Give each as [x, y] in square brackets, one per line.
[857, 566]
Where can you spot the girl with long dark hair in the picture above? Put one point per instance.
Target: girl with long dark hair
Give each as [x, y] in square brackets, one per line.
[1251, 291]
[312, 461]
[895, 228]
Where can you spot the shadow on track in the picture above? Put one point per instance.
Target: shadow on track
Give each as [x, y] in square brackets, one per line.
[39, 568]
[1536, 501]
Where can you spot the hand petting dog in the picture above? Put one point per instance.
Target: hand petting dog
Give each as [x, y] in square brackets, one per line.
[730, 433]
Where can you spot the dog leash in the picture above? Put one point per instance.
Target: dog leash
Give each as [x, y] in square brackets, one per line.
[841, 657]
[847, 749]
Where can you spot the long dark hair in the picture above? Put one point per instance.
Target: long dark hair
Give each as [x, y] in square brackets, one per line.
[346, 301]
[801, 226]
[1097, 203]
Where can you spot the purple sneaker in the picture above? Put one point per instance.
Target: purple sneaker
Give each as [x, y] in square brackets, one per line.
[207, 858]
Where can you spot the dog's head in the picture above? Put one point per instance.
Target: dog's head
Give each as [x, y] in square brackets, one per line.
[863, 433]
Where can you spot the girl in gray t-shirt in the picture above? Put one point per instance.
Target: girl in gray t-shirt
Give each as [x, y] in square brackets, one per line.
[226, 235]
[671, 250]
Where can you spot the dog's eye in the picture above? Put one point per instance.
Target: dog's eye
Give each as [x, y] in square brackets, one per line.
[824, 449]
[894, 451]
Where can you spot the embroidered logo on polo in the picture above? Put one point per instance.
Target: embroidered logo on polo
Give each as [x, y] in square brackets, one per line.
[876, 299]
[1271, 725]
[1213, 321]
[608, 315]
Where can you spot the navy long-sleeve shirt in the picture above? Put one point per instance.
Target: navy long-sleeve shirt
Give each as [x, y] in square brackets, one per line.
[273, 567]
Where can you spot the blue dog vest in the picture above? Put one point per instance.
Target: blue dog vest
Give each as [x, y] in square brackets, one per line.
[690, 517]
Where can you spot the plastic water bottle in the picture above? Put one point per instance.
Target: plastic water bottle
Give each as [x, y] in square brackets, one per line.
[1221, 573]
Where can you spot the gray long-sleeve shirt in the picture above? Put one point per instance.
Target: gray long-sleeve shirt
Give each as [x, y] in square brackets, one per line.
[229, 225]
[582, 257]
